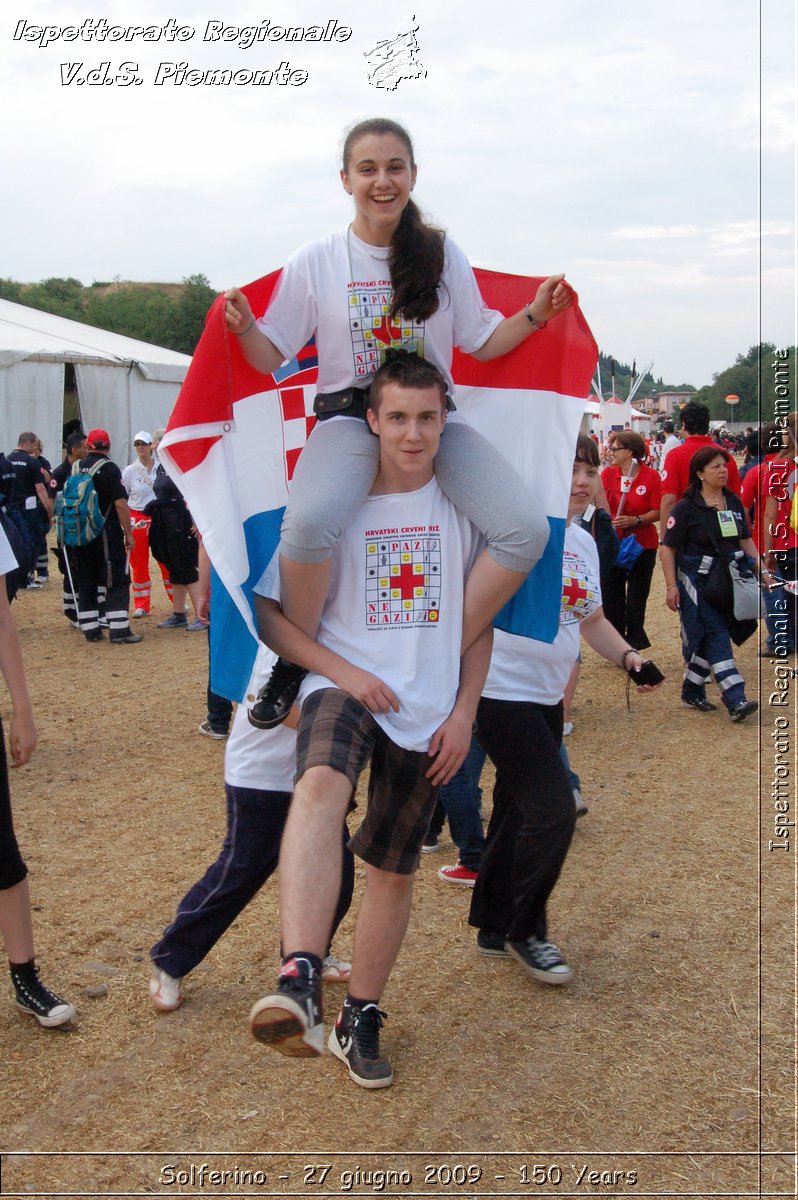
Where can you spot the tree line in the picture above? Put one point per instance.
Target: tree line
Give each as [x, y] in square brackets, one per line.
[169, 315]
[751, 377]
[173, 315]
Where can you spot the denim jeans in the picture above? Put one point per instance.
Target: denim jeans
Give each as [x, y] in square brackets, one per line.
[220, 710]
[573, 778]
[460, 801]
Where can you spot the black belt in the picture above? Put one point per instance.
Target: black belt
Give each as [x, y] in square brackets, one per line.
[349, 402]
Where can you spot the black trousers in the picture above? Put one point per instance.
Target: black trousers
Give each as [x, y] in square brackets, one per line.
[12, 866]
[533, 818]
[102, 565]
[625, 595]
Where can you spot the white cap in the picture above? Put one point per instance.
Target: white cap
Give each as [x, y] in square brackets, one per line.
[143, 436]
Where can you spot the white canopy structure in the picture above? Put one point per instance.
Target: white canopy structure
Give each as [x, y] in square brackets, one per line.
[123, 385]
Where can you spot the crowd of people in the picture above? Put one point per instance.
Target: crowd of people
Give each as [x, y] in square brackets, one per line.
[418, 704]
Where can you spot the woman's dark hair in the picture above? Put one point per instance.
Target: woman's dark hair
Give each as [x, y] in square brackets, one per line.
[416, 252]
[627, 439]
[587, 451]
[699, 462]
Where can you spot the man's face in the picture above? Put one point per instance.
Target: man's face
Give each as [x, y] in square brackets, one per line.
[81, 450]
[409, 423]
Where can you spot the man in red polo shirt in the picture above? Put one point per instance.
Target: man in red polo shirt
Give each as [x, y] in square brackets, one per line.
[676, 468]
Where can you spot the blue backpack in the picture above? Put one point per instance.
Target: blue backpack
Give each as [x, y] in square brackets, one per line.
[78, 517]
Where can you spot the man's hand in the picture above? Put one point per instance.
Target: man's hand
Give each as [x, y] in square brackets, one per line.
[448, 747]
[370, 691]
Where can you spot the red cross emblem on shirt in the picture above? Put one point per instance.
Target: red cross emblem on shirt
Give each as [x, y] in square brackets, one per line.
[407, 580]
[573, 592]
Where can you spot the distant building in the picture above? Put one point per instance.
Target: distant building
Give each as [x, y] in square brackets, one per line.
[665, 402]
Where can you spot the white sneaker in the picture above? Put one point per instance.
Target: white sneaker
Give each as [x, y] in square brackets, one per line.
[335, 970]
[166, 993]
[139, 612]
[579, 804]
[567, 728]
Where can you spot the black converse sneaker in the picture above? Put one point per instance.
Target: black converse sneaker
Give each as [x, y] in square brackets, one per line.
[274, 700]
[34, 998]
[291, 1020]
[542, 960]
[355, 1039]
[492, 944]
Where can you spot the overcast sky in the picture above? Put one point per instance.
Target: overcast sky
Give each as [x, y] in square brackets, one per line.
[617, 141]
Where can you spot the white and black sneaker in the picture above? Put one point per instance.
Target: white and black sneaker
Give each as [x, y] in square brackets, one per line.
[274, 700]
[34, 998]
[290, 1021]
[542, 960]
[355, 1039]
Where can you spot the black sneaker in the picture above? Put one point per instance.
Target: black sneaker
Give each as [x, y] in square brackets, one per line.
[34, 998]
[542, 960]
[743, 710]
[274, 700]
[492, 944]
[699, 703]
[291, 1020]
[355, 1039]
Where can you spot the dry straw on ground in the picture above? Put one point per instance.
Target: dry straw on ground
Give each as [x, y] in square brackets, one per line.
[674, 1045]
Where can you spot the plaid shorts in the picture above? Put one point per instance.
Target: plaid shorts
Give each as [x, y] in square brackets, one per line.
[337, 731]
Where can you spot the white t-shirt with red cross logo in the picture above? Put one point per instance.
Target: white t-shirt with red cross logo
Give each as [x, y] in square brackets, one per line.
[339, 288]
[523, 669]
[395, 605]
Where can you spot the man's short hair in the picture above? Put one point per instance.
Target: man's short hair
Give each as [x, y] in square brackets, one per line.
[406, 371]
[695, 418]
[74, 440]
[27, 439]
[668, 426]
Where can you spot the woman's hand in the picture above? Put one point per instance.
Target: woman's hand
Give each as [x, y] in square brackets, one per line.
[22, 738]
[552, 297]
[237, 311]
[672, 598]
[624, 522]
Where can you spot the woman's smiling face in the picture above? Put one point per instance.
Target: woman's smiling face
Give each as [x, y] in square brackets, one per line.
[379, 176]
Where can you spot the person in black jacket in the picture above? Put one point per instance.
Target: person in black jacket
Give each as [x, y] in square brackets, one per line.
[706, 525]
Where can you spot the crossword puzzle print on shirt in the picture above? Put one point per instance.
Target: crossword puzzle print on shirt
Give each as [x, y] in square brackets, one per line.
[373, 331]
[403, 580]
[580, 589]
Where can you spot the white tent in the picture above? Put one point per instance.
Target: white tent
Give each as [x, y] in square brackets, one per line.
[123, 385]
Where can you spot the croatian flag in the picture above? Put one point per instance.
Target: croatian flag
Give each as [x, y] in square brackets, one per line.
[235, 435]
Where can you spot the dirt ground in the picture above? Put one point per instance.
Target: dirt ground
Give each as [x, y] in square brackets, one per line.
[667, 1067]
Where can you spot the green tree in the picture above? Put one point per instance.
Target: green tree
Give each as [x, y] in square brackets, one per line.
[11, 290]
[146, 314]
[64, 297]
[746, 379]
[192, 307]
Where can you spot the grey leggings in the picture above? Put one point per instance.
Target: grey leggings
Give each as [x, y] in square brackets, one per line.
[337, 468]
